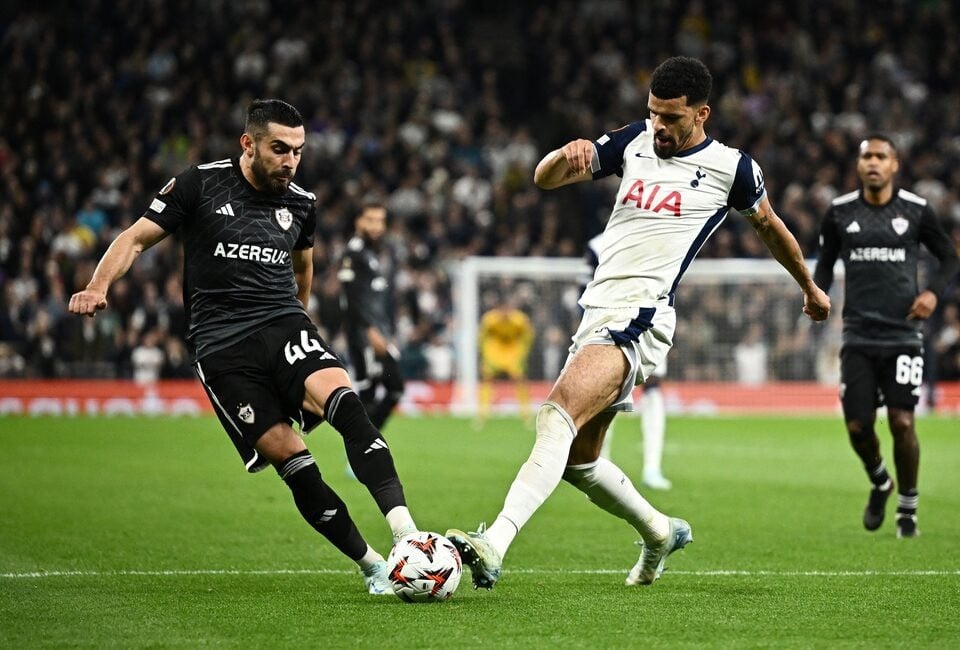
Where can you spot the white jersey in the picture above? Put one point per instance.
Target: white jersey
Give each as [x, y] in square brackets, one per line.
[665, 211]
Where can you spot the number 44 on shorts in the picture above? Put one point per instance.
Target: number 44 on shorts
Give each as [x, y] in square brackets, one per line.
[295, 352]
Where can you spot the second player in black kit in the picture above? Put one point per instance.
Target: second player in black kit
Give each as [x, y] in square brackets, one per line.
[369, 311]
[877, 232]
[247, 233]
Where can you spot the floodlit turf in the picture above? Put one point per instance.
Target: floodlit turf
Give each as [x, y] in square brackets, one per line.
[147, 532]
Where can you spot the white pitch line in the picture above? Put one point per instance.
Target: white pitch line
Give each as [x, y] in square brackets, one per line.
[286, 572]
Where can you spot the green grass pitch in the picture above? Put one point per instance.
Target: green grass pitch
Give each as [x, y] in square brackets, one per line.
[147, 532]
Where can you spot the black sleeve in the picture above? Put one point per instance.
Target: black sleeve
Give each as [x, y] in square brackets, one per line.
[305, 240]
[935, 238]
[829, 250]
[176, 201]
[610, 147]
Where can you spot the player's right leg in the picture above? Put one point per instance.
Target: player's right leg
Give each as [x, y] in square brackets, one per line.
[317, 387]
[319, 505]
[484, 393]
[591, 381]
[901, 398]
[906, 453]
[858, 395]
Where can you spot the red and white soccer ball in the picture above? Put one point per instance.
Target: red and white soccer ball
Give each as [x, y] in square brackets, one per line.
[424, 567]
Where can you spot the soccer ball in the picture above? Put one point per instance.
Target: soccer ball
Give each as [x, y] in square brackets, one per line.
[424, 567]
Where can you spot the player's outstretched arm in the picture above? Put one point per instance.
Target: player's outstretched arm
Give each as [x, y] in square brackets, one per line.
[784, 247]
[143, 234]
[564, 166]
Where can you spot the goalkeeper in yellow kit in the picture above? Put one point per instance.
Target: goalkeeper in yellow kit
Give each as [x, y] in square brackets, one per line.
[506, 335]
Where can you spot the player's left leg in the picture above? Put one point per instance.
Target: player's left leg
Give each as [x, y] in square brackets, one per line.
[906, 455]
[608, 487]
[901, 379]
[653, 425]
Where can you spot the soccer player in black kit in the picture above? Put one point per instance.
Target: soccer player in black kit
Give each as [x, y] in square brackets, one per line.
[247, 233]
[368, 302]
[877, 231]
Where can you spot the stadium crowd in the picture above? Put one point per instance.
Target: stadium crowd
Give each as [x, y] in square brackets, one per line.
[442, 108]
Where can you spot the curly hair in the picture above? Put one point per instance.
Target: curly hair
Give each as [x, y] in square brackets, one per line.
[681, 76]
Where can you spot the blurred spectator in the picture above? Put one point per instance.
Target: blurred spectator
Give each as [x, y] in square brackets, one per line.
[99, 106]
[750, 356]
[147, 359]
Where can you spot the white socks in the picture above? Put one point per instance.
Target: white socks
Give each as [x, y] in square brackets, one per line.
[538, 476]
[400, 522]
[653, 427]
[608, 487]
[369, 558]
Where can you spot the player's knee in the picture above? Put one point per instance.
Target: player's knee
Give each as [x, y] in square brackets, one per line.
[279, 443]
[901, 422]
[859, 428]
[554, 422]
[347, 415]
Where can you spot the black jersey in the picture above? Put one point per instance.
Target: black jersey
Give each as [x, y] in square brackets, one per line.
[238, 274]
[367, 294]
[880, 249]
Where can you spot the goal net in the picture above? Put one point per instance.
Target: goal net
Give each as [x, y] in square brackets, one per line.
[742, 341]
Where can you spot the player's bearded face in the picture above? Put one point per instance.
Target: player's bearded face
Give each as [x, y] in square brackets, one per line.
[372, 223]
[270, 176]
[276, 155]
[673, 124]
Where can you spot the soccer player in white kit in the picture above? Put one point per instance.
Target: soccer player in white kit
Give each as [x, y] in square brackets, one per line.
[678, 185]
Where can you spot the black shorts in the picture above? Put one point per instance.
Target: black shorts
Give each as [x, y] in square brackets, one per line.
[873, 376]
[258, 382]
[369, 369]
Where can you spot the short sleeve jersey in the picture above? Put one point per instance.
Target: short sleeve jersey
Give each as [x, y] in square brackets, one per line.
[238, 273]
[880, 249]
[664, 212]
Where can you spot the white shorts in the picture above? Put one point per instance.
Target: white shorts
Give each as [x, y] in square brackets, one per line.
[644, 334]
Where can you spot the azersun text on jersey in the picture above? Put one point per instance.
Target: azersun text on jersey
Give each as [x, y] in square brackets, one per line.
[238, 274]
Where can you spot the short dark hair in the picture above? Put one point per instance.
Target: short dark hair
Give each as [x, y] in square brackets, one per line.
[679, 76]
[882, 138]
[370, 204]
[263, 111]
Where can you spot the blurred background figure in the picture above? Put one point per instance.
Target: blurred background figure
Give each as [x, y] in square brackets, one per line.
[654, 427]
[506, 335]
[369, 308]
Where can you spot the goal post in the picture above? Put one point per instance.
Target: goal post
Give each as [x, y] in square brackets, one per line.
[468, 275]
[740, 325]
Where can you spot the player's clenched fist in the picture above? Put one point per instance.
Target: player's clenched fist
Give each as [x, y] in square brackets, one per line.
[87, 302]
[578, 154]
[816, 304]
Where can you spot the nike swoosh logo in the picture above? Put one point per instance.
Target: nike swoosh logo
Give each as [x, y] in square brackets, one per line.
[640, 155]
